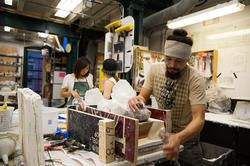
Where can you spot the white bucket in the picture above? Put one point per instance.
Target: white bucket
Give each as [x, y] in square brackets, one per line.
[6, 118]
[50, 119]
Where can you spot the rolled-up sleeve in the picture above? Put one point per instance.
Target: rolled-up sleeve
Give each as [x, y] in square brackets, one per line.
[149, 79]
[197, 90]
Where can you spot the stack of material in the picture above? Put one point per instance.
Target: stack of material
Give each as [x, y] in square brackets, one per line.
[29, 104]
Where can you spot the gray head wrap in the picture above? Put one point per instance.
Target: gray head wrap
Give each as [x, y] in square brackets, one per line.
[177, 49]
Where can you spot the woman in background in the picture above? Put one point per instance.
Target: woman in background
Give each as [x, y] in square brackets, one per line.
[109, 69]
[76, 84]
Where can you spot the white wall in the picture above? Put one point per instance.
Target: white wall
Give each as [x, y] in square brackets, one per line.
[233, 52]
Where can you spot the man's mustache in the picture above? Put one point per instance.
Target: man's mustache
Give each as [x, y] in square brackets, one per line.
[171, 68]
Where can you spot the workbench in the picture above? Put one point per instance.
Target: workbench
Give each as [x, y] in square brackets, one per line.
[92, 159]
[88, 157]
[226, 131]
[227, 119]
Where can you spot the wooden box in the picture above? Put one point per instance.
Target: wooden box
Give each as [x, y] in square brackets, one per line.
[95, 132]
[132, 138]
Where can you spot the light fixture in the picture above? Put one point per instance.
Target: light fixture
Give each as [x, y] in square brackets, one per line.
[65, 6]
[210, 13]
[42, 35]
[8, 2]
[229, 34]
[7, 29]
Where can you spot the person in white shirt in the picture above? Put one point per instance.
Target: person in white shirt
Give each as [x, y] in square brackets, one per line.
[109, 69]
[76, 84]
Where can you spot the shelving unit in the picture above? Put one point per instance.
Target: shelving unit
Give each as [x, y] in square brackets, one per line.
[143, 59]
[10, 74]
[58, 72]
[9, 98]
[206, 63]
[11, 69]
[54, 71]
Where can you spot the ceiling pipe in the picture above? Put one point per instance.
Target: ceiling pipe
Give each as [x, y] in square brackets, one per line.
[159, 19]
[179, 9]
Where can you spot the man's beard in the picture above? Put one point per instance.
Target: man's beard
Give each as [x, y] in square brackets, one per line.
[173, 76]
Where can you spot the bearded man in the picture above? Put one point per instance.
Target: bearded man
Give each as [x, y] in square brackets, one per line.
[178, 87]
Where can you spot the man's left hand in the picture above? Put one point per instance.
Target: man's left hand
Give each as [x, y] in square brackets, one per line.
[171, 149]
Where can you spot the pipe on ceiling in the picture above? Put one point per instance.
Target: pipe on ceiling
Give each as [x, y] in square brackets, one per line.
[161, 17]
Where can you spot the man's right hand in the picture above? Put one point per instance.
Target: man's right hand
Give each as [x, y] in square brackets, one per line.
[172, 146]
[135, 102]
[75, 94]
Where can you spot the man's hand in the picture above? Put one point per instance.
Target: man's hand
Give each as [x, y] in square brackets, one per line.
[171, 149]
[75, 94]
[136, 103]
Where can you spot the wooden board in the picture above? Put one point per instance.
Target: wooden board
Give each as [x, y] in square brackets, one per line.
[95, 132]
[126, 132]
[164, 115]
[106, 141]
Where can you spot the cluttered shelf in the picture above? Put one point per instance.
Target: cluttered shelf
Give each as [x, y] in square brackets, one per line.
[11, 56]
[11, 76]
[14, 65]
[8, 97]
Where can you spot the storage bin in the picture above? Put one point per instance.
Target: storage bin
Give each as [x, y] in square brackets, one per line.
[214, 155]
[6, 118]
[49, 119]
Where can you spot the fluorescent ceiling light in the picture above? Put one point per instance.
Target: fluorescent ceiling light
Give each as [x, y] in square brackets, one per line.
[7, 29]
[230, 34]
[62, 14]
[42, 35]
[8, 2]
[210, 13]
[65, 6]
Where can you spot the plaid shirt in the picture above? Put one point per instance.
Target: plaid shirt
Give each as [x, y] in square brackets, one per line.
[175, 94]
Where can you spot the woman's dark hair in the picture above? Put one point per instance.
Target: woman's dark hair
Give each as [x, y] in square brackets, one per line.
[180, 35]
[115, 77]
[80, 64]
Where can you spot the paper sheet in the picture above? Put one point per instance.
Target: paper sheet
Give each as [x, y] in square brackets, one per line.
[226, 82]
[239, 63]
[242, 110]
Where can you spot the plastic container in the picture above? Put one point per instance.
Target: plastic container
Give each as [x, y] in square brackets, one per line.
[214, 155]
[6, 118]
[8, 143]
[50, 119]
